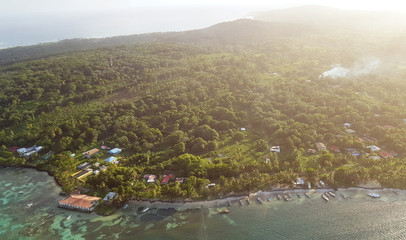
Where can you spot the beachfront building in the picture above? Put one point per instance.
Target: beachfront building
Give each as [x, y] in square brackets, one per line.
[82, 174]
[80, 202]
[167, 178]
[91, 153]
[109, 196]
[115, 151]
[150, 178]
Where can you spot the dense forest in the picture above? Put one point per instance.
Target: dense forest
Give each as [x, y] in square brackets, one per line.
[210, 113]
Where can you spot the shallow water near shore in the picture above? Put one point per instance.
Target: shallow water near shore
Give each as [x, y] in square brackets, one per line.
[358, 217]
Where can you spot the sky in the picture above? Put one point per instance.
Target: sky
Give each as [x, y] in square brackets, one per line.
[25, 22]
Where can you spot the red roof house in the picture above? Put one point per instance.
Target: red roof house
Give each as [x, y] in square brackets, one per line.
[167, 178]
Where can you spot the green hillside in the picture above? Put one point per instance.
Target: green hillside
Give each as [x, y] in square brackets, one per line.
[179, 108]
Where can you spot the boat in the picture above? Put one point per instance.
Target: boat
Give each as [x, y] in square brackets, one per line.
[343, 196]
[29, 205]
[268, 198]
[225, 211]
[279, 197]
[68, 217]
[260, 200]
[395, 192]
[229, 203]
[325, 197]
[298, 195]
[125, 206]
[286, 198]
[374, 195]
[307, 195]
[331, 194]
[290, 195]
[241, 203]
[145, 210]
[248, 201]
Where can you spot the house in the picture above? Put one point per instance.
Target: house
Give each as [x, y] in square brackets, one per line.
[167, 178]
[82, 174]
[320, 146]
[104, 147]
[111, 160]
[276, 149]
[210, 185]
[334, 149]
[90, 153]
[311, 151]
[394, 154]
[373, 148]
[299, 181]
[347, 125]
[242, 129]
[353, 151]
[179, 180]
[21, 151]
[350, 131]
[384, 154]
[115, 151]
[150, 178]
[79, 202]
[109, 196]
[84, 165]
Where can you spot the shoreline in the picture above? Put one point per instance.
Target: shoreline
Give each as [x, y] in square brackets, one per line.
[219, 203]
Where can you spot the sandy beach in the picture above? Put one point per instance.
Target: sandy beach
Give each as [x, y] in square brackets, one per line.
[219, 203]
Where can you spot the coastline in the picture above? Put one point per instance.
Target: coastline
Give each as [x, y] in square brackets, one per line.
[220, 203]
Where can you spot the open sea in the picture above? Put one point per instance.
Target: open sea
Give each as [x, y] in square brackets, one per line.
[357, 217]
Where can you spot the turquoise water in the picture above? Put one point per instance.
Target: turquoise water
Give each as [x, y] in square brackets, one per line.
[358, 217]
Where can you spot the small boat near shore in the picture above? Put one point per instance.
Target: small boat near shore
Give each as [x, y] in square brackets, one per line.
[298, 195]
[331, 194]
[290, 195]
[229, 203]
[145, 210]
[260, 200]
[343, 196]
[125, 206]
[374, 195]
[241, 203]
[20, 192]
[225, 211]
[395, 192]
[248, 201]
[279, 197]
[29, 205]
[268, 198]
[286, 198]
[68, 217]
[325, 197]
[307, 194]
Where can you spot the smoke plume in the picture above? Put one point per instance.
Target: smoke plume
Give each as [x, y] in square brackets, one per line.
[361, 67]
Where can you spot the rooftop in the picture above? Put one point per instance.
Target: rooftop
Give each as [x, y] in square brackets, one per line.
[79, 200]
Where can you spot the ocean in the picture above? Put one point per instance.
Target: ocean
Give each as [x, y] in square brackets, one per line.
[357, 217]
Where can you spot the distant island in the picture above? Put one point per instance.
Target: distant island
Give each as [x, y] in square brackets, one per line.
[223, 111]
